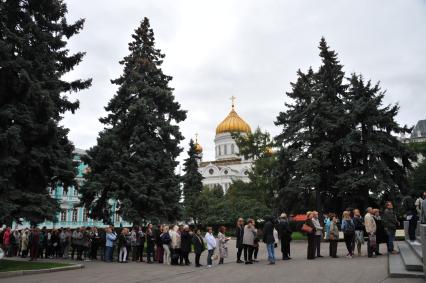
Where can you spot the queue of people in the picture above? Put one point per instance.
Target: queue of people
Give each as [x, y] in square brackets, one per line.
[374, 228]
[172, 244]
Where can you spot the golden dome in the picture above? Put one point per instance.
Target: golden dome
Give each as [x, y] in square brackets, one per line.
[233, 123]
[198, 147]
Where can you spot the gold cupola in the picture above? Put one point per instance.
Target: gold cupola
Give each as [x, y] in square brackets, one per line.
[233, 123]
[198, 147]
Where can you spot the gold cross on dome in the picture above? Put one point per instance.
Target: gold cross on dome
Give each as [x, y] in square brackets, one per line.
[233, 101]
[196, 137]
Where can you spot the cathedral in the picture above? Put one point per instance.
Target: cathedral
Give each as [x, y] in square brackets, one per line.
[228, 165]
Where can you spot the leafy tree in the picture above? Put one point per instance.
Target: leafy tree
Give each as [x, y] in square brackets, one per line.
[263, 175]
[192, 184]
[418, 147]
[35, 152]
[246, 200]
[134, 160]
[212, 206]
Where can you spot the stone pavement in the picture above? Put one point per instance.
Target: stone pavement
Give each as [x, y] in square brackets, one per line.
[298, 270]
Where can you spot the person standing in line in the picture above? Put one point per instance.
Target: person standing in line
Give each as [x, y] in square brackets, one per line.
[409, 207]
[390, 223]
[370, 228]
[79, 243]
[223, 244]
[102, 242]
[250, 233]
[359, 230]
[165, 240]
[333, 236]
[211, 246]
[175, 245]
[7, 242]
[239, 232]
[34, 243]
[74, 243]
[185, 245]
[380, 231]
[110, 237]
[150, 244]
[310, 235]
[268, 239]
[159, 243]
[198, 242]
[348, 229]
[121, 244]
[318, 233]
[284, 232]
[24, 243]
[134, 243]
[94, 243]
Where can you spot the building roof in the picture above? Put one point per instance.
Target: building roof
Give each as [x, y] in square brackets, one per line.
[233, 123]
[419, 130]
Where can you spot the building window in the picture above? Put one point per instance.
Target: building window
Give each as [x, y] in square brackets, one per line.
[75, 191]
[85, 215]
[225, 149]
[220, 151]
[74, 215]
[117, 217]
[64, 192]
[64, 215]
[225, 172]
[232, 149]
[211, 171]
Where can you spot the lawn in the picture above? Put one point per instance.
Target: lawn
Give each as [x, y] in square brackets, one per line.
[298, 236]
[14, 265]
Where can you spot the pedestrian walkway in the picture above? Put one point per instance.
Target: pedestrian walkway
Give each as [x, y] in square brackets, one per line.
[320, 270]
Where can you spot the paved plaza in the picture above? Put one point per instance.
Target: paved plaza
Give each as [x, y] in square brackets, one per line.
[298, 270]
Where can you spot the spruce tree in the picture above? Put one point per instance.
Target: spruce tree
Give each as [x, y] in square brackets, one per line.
[312, 124]
[375, 161]
[192, 184]
[134, 160]
[35, 152]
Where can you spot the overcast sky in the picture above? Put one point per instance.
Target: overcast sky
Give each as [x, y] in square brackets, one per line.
[249, 49]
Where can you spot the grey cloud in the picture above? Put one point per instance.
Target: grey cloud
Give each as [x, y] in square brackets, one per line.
[250, 49]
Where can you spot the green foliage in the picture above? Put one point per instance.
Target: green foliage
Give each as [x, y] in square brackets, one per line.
[212, 206]
[336, 142]
[35, 152]
[418, 178]
[134, 160]
[192, 184]
[418, 147]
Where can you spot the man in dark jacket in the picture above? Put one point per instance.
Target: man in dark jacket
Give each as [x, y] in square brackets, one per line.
[268, 239]
[239, 232]
[408, 204]
[185, 245]
[284, 232]
[199, 247]
[390, 223]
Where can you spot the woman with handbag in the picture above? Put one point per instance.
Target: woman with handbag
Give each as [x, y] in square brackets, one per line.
[333, 237]
[309, 229]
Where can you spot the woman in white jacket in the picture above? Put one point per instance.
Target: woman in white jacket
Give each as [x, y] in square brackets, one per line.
[211, 245]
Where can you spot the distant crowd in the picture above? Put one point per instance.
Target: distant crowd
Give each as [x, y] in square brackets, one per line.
[173, 244]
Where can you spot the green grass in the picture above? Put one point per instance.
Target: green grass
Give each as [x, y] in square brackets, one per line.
[298, 236]
[14, 265]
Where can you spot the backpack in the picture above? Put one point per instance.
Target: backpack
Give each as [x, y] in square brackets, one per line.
[349, 227]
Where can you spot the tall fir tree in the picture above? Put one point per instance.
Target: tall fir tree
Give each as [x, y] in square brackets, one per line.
[134, 160]
[376, 162]
[311, 125]
[192, 184]
[35, 152]
[337, 143]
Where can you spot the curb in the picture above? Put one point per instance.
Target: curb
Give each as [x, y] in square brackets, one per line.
[8, 274]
